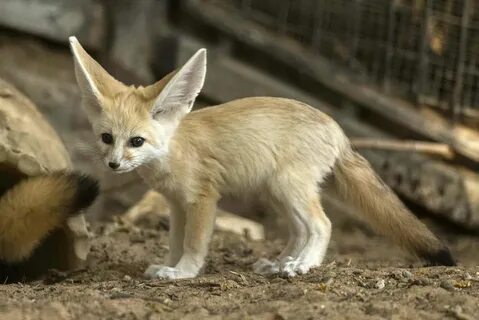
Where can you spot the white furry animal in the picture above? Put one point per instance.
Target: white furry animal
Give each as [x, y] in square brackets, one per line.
[275, 150]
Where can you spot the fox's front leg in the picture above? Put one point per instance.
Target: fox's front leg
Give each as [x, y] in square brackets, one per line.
[176, 233]
[200, 216]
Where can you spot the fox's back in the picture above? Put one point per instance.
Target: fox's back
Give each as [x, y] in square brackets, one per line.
[277, 124]
[254, 137]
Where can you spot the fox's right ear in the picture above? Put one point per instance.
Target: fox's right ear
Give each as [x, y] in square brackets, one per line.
[94, 82]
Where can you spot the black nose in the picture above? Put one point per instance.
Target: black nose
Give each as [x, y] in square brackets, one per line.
[113, 165]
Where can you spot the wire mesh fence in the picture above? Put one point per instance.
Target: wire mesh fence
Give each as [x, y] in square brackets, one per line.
[424, 50]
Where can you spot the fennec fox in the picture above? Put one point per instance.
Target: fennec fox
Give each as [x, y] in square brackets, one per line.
[34, 207]
[275, 150]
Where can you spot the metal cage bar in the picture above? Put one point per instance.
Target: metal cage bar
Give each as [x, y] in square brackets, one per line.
[426, 51]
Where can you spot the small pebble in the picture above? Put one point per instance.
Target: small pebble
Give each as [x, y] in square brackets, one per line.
[448, 285]
[422, 281]
[380, 284]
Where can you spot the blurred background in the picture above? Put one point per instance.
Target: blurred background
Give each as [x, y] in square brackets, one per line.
[398, 69]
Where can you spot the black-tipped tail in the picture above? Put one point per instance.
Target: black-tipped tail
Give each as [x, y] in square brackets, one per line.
[359, 184]
[87, 190]
[37, 206]
[441, 257]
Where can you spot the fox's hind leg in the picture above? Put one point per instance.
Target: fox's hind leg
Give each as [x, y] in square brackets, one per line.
[318, 234]
[296, 241]
[310, 227]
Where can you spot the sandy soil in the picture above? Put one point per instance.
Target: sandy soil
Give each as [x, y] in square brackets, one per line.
[363, 277]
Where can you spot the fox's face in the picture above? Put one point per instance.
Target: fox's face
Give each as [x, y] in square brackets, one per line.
[127, 136]
[134, 126]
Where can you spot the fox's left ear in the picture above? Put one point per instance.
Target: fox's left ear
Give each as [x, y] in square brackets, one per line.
[178, 95]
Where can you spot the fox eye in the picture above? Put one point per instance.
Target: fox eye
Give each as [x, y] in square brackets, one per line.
[107, 138]
[137, 142]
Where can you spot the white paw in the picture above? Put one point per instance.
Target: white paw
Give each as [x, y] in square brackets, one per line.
[156, 271]
[264, 266]
[292, 267]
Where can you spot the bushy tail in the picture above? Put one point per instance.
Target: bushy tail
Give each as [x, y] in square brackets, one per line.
[36, 206]
[358, 184]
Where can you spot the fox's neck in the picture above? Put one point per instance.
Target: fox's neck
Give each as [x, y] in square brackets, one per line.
[155, 170]
[157, 173]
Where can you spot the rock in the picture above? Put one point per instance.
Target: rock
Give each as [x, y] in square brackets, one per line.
[132, 31]
[380, 284]
[407, 274]
[448, 285]
[226, 221]
[24, 135]
[45, 74]
[57, 19]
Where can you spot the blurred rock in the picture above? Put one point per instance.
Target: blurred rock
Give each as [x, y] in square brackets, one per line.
[45, 74]
[131, 33]
[57, 19]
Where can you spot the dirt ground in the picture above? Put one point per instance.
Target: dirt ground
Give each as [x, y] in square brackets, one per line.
[363, 277]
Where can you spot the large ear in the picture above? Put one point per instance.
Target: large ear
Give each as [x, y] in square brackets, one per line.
[179, 93]
[94, 82]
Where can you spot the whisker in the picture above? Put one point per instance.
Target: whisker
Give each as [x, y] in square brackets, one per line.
[89, 151]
